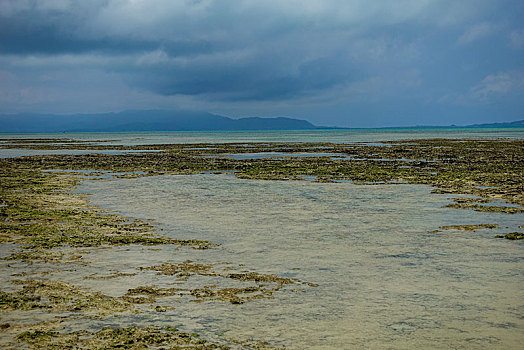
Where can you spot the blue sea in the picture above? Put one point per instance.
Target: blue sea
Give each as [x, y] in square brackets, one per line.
[324, 135]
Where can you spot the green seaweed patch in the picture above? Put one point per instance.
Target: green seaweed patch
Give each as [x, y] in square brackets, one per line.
[147, 294]
[56, 296]
[513, 236]
[231, 295]
[182, 270]
[115, 275]
[260, 285]
[188, 268]
[193, 243]
[253, 344]
[141, 295]
[121, 338]
[12, 301]
[485, 208]
[260, 278]
[53, 142]
[473, 200]
[162, 308]
[32, 255]
[468, 227]
[40, 213]
[34, 336]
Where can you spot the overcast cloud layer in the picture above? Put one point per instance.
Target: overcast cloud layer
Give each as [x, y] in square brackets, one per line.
[346, 63]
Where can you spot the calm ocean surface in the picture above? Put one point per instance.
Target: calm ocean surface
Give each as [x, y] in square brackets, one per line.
[335, 136]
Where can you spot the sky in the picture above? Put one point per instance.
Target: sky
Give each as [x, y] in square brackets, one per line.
[348, 63]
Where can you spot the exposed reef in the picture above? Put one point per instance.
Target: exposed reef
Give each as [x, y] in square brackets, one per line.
[255, 285]
[489, 169]
[56, 296]
[513, 236]
[47, 225]
[468, 227]
[117, 338]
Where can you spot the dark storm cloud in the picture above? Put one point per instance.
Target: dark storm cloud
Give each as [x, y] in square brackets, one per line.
[254, 78]
[222, 49]
[33, 30]
[17, 38]
[229, 53]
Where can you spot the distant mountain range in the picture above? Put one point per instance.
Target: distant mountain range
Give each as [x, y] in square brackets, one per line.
[159, 120]
[516, 124]
[143, 120]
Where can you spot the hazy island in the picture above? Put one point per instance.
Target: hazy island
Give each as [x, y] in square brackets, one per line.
[173, 120]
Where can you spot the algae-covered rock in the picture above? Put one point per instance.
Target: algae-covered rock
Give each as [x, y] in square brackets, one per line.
[513, 236]
[468, 227]
[117, 338]
[57, 296]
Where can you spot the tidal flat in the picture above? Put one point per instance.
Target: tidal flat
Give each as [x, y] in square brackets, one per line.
[404, 244]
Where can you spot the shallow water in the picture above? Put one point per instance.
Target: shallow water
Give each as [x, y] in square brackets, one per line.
[371, 136]
[383, 280]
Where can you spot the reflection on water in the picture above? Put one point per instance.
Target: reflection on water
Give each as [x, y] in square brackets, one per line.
[384, 280]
